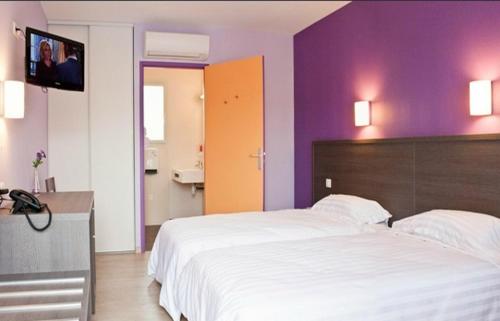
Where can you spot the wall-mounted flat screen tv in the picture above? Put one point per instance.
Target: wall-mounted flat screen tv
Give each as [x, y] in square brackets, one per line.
[54, 61]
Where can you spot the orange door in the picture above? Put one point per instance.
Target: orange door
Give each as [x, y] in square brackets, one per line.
[234, 136]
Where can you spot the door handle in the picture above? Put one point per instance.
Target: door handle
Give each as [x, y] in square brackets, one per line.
[260, 158]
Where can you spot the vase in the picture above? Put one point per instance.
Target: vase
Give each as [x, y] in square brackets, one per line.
[36, 182]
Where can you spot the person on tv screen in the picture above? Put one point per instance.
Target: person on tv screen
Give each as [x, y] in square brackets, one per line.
[46, 71]
[70, 71]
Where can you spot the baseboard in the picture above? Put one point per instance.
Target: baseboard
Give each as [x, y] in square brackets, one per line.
[115, 252]
[151, 232]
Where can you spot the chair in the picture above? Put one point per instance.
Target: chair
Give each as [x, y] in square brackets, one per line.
[50, 184]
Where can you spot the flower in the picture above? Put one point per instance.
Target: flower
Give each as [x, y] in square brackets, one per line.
[39, 158]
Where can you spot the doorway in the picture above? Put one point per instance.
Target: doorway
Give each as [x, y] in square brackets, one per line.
[231, 152]
[172, 124]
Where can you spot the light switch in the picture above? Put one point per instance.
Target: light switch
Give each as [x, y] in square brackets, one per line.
[328, 183]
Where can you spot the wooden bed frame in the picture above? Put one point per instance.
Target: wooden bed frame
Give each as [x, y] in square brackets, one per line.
[412, 175]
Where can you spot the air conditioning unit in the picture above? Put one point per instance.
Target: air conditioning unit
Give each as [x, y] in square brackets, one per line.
[176, 46]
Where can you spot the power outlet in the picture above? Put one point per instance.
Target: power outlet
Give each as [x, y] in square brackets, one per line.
[328, 183]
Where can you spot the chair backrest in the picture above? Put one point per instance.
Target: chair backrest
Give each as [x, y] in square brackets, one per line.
[50, 184]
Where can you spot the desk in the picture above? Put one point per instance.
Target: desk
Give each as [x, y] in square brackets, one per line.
[67, 245]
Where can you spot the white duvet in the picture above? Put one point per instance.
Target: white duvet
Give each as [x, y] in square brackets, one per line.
[381, 276]
[181, 239]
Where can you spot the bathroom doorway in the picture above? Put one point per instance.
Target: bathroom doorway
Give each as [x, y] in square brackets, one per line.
[173, 122]
[219, 157]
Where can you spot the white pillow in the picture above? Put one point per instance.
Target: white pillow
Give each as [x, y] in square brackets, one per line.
[361, 209]
[474, 233]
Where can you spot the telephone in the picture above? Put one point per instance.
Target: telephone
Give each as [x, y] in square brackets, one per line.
[25, 203]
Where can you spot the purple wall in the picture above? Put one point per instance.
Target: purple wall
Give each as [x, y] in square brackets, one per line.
[21, 138]
[412, 60]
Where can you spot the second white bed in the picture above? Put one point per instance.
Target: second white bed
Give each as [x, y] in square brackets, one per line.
[383, 276]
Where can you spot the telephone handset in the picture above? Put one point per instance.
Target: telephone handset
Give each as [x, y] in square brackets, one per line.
[25, 203]
[24, 199]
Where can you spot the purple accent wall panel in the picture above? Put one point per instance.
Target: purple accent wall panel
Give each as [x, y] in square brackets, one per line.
[412, 60]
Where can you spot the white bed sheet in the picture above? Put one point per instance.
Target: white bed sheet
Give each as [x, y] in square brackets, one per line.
[181, 239]
[381, 276]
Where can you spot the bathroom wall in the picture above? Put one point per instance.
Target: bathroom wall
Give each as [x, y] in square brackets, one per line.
[20, 139]
[165, 198]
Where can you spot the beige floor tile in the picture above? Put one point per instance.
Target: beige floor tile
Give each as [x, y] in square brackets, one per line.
[124, 291]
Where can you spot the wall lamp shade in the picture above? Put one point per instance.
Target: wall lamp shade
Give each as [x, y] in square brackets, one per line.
[12, 99]
[480, 98]
[362, 113]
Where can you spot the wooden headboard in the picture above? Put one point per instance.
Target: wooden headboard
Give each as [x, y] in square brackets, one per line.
[411, 175]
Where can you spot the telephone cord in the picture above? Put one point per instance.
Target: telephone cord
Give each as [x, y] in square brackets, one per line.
[38, 229]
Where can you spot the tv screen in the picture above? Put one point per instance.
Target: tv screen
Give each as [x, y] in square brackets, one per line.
[54, 61]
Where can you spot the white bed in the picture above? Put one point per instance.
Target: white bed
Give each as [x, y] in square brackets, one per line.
[181, 239]
[383, 276]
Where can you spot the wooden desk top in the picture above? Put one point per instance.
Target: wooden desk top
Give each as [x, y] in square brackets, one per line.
[65, 202]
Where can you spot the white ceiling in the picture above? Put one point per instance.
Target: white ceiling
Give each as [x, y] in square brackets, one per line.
[280, 16]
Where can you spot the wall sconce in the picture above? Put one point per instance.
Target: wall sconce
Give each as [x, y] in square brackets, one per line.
[362, 113]
[480, 97]
[12, 99]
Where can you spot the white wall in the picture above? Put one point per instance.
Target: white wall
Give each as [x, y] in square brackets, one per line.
[91, 133]
[111, 136]
[183, 108]
[68, 125]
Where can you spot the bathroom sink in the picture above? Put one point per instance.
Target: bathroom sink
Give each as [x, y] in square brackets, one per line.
[188, 176]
